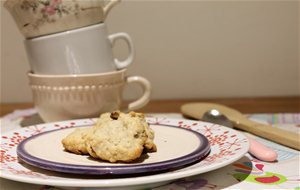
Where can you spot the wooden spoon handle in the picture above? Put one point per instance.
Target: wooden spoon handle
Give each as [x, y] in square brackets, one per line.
[280, 136]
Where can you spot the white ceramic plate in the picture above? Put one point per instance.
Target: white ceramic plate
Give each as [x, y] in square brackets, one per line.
[51, 156]
[227, 146]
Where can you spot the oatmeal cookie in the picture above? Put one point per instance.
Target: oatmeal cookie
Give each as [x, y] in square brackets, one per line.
[75, 141]
[120, 137]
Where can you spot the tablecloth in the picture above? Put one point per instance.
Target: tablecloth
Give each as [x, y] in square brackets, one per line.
[247, 173]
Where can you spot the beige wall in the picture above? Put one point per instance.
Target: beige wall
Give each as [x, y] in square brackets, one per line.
[190, 49]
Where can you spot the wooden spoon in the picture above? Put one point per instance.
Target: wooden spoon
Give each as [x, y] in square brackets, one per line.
[197, 110]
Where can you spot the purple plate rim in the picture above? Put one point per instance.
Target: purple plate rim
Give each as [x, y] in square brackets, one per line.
[198, 154]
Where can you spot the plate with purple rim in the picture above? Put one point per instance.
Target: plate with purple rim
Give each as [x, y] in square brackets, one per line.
[45, 151]
[226, 146]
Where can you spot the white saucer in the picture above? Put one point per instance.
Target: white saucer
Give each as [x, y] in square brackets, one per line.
[52, 156]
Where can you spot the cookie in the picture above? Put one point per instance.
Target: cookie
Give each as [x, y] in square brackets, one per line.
[75, 141]
[120, 137]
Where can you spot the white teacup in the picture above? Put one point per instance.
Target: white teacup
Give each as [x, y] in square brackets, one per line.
[64, 97]
[81, 51]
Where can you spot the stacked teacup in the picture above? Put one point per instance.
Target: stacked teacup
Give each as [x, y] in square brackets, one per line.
[73, 71]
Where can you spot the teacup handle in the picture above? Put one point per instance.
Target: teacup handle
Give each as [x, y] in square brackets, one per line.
[108, 6]
[127, 39]
[145, 98]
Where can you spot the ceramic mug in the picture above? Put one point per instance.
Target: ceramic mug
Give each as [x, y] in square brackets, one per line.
[42, 17]
[80, 51]
[64, 97]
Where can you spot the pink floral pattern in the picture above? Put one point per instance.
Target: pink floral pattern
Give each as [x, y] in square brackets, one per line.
[226, 142]
[49, 10]
[53, 6]
[8, 158]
